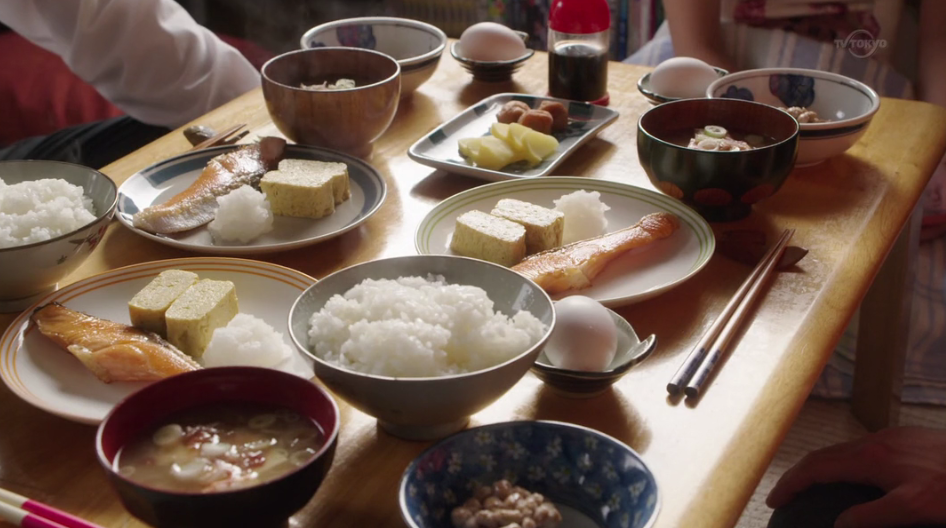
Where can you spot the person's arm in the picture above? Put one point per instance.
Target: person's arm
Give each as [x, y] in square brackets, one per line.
[909, 463]
[148, 57]
[931, 77]
[695, 30]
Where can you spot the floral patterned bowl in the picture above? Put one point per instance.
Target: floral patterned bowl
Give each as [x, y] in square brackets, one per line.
[32, 270]
[595, 480]
[415, 45]
[720, 185]
[848, 104]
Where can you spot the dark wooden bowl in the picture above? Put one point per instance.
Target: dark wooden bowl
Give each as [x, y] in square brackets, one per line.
[348, 120]
[263, 506]
[721, 186]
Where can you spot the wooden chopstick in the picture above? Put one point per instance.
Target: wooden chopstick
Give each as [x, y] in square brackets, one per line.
[695, 386]
[22, 511]
[702, 348]
[219, 138]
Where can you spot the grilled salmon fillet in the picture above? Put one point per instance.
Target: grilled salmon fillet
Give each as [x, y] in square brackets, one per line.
[112, 351]
[197, 205]
[574, 266]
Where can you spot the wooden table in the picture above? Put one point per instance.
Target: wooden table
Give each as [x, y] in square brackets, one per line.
[707, 458]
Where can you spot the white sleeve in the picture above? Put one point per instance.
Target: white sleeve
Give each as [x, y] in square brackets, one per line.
[148, 57]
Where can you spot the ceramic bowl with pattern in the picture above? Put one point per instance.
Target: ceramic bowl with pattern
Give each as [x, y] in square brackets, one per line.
[269, 503]
[415, 45]
[30, 270]
[492, 71]
[349, 119]
[425, 408]
[720, 185]
[595, 481]
[847, 104]
[583, 384]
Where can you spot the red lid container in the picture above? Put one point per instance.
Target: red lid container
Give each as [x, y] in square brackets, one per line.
[579, 17]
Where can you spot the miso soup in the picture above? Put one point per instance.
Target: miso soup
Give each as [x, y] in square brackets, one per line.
[717, 138]
[220, 447]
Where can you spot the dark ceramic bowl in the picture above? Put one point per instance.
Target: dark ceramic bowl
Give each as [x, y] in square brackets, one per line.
[266, 505]
[348, 120]
[644, 87]
[594, 480]
[492, 71]
[582, 384]
[721, 186]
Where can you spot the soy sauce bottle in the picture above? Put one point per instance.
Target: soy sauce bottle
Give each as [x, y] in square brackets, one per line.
[578, 50]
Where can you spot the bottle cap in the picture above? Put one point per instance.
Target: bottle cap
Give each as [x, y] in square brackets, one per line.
[579, 17]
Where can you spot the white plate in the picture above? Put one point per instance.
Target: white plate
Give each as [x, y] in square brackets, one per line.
[51, 378]
[439, 149]
[635, 276]
[159, 182]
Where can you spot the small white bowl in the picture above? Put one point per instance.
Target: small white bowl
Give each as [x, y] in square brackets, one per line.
[849, 104]
[32, 270]
[416, 46]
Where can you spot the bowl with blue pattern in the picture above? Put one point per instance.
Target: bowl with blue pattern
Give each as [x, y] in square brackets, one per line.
[415, 45]
[846, 105]
[594, 480]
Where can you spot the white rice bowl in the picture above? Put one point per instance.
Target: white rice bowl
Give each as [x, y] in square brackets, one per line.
[584, 215]
[40, 210]
[242, 215]
[417, 327]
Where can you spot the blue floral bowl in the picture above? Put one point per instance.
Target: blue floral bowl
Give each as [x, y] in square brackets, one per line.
[415, 45]
[593, 479]
[849, 105]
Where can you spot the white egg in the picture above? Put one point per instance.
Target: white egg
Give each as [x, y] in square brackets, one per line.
[489, 41]
[682, 77]
[584, 337]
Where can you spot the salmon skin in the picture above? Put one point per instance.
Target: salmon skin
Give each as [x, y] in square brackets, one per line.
[574, 266]
[112, 351]
[197, 205]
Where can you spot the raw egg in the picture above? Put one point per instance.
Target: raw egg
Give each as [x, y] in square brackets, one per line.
[584, 337]
[489, 41]
[682, 78]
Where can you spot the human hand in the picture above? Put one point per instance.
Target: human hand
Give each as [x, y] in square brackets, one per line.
[909, 463]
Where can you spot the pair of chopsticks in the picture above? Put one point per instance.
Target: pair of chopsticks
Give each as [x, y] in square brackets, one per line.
[698, 366]
[220, 138]
[21, 511]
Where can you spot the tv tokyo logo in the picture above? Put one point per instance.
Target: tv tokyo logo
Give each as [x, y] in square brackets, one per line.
[861, 43]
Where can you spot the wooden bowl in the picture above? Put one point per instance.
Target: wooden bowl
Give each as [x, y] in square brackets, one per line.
[348, 120]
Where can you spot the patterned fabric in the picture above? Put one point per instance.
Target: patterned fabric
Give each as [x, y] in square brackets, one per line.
[925, 369]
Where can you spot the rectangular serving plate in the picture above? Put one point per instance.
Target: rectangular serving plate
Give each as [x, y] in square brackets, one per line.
[439, 149]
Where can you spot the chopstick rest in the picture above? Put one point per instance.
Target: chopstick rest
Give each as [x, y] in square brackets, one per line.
[695, 386]
[695, 359]
[28, 513]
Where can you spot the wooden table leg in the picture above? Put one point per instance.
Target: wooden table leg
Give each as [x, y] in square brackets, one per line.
[883, 333]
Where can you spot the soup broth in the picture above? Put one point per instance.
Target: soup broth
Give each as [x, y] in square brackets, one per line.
[717, 138]
[220, 447]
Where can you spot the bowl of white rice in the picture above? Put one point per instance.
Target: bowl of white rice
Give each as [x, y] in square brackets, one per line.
[423, 342]
[52, 216]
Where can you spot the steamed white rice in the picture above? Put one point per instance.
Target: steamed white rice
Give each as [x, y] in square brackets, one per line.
[40, 210]
[242, 215]
[584, 215]
[417, 327]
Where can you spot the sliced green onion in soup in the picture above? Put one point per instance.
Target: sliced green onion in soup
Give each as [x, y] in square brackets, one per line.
[714, 131]
[755, 140]
[262, 421]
